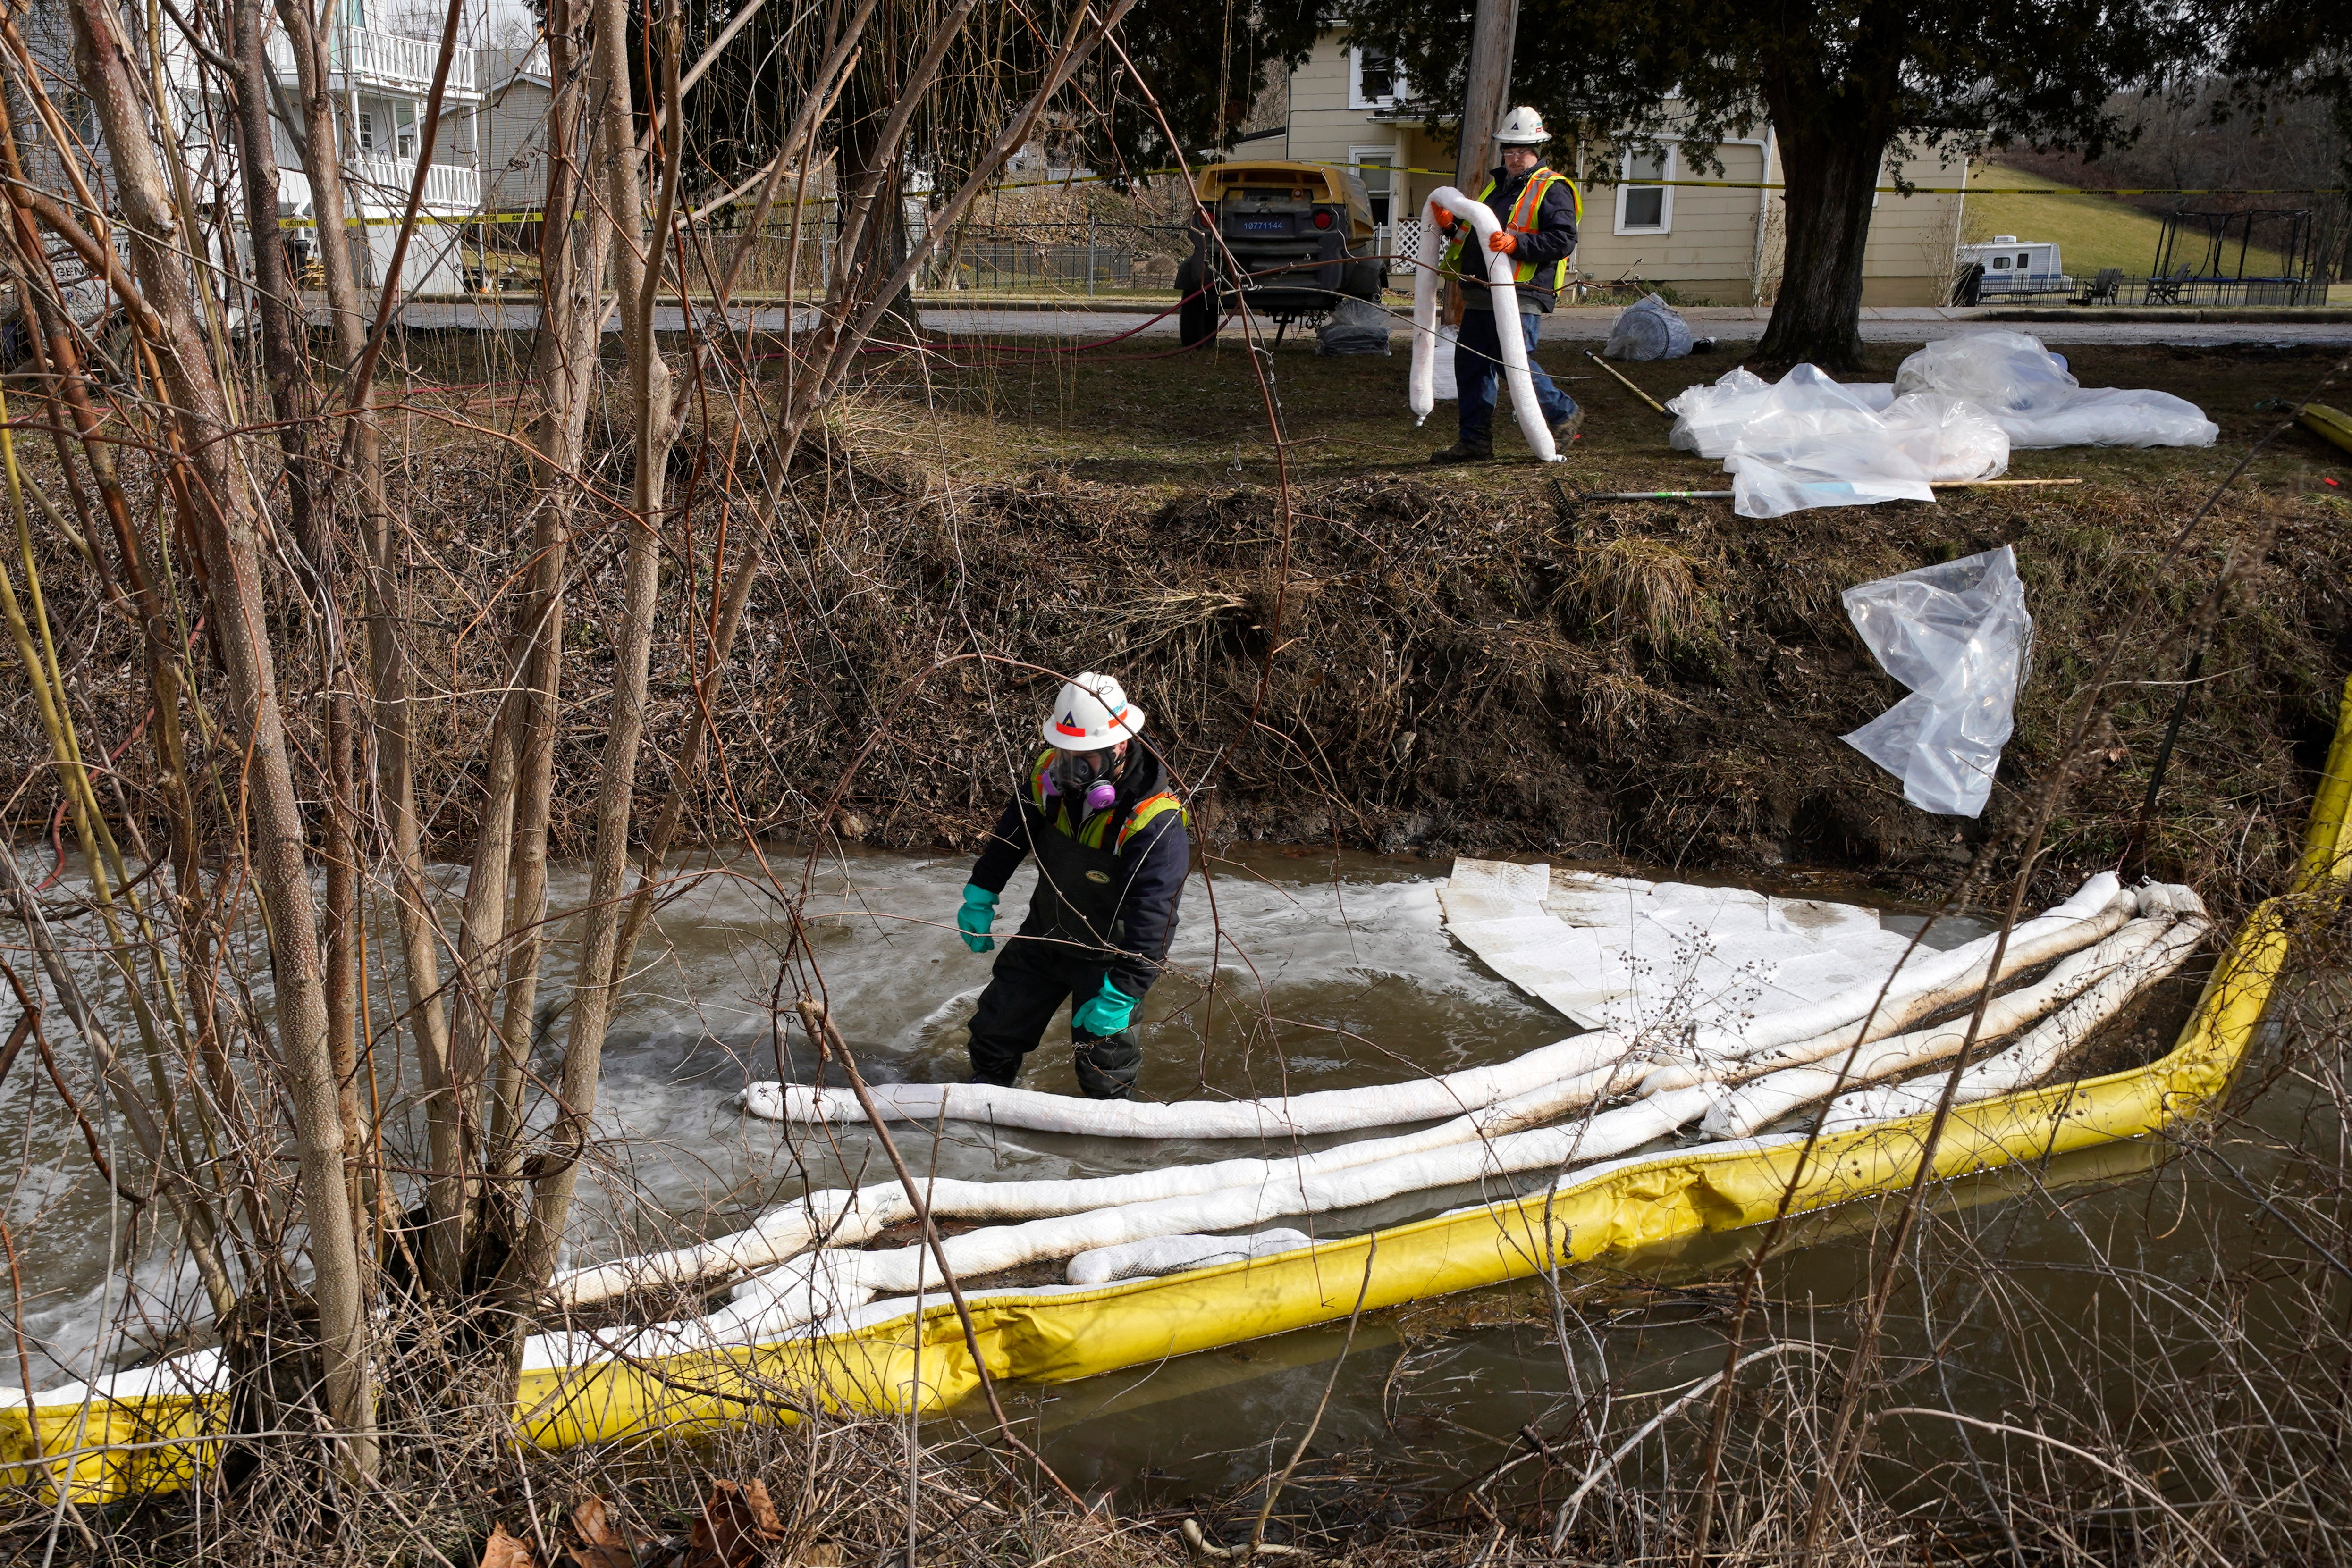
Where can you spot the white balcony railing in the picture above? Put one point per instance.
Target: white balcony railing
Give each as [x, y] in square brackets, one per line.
[363, 56]
[383, 185]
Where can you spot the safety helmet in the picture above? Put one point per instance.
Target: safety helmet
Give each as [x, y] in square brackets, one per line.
[1523, 127]
[1091, 713]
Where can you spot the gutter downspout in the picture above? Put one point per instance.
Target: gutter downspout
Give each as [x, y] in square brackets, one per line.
[1763, 211]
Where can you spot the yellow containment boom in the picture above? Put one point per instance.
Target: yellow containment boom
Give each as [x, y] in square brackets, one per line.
[105, 1450]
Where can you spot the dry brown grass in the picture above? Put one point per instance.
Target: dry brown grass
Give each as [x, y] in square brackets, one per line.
[1645, 588]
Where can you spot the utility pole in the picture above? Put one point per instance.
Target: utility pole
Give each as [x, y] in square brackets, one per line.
[1487, 95]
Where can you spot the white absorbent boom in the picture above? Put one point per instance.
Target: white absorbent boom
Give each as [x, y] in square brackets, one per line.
[2102, 946]
[1928, 981]
[1422, 390]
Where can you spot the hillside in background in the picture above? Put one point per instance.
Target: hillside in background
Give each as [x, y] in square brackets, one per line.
[2091, 232]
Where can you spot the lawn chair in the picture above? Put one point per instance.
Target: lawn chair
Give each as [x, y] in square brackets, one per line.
[2103, 289]
[2166, 290]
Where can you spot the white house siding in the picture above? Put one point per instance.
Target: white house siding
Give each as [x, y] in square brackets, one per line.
[514, 152]
[1710, 249]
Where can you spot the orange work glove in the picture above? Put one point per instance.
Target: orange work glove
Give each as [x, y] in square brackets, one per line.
[1446, 218]
[1505, 241]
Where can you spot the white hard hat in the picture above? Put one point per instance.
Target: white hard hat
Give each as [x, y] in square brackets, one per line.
[1523, 127]
[1091, 713]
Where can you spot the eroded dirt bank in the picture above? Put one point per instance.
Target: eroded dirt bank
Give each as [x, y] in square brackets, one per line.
[1389, 664]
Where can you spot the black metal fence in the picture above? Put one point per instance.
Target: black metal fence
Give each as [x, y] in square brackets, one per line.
[2139, 290]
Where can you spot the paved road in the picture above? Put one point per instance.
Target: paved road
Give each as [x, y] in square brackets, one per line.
[1885, 327]
[1726, 324]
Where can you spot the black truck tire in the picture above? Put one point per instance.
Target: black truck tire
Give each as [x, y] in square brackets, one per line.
[1196, 317]
[1364, 280]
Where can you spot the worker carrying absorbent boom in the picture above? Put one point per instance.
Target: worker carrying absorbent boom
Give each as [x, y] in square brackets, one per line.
[1539, 210]
[1111, 855]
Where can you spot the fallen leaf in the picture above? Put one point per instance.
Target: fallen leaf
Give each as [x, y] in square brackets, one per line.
[504, 1551]
[739, 1528]
[595, 1542]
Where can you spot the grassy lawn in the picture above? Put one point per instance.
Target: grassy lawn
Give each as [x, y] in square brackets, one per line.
[2091, 232]
[1168, 422]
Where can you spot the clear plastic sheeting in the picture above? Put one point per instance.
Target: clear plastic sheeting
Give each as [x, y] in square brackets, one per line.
[1843, 470]
[1952, 414]
[1809, 441]
[1960, 636]
[2036, 399]
[1648, 329]
[1354, 326]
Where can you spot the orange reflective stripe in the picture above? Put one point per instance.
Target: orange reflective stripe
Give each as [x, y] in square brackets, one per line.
[1148, 810]
[1037, 779]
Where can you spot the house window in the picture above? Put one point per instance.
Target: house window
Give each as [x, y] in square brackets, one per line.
[1373, 80]
[1644, 204]
[367, 131]
[1376, 167]
[404, 129]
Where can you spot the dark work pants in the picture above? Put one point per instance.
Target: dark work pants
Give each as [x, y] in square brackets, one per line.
[1031, 981]
[1479, 366]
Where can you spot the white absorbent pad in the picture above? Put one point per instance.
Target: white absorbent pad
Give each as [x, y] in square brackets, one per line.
[1658, 957]
[1167, 1254]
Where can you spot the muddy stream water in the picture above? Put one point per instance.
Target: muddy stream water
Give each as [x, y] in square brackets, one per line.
[1331, 971]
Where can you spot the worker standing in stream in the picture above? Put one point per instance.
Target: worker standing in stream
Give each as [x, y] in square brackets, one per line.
[1538, 210]
[1111, 856]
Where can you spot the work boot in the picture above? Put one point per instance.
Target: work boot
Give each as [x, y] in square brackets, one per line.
[1107, 1064]
[1565, 430]
[1465, 451]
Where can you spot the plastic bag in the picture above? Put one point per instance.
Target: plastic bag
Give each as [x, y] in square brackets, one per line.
[1648, 329]
[1958, 636]
[1354, 326]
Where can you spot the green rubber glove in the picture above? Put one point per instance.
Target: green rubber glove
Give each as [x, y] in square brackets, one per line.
[1106, 1012]
[978, 913]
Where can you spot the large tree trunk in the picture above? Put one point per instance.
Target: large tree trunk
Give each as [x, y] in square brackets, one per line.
[1833, 142]
[1818, 315]
[228, 542]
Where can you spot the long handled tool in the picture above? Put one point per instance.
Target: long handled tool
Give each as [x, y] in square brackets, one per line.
[1628, 386]
[1726, 494]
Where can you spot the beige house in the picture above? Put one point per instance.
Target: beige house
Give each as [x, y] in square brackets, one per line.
[1710, 244]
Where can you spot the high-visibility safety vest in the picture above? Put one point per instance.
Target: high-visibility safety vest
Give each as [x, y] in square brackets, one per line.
[1095, 829]
[1523, 218]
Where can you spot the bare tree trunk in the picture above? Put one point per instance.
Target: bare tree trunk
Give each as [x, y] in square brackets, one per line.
[638, 276]
[227, 541]
[282, 356]
[572, 257]
[389, 677]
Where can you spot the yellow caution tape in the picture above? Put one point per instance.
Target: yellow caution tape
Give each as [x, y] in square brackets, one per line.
[111, 1449]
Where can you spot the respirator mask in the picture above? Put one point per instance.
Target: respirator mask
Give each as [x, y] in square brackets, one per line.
[1083, 777]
